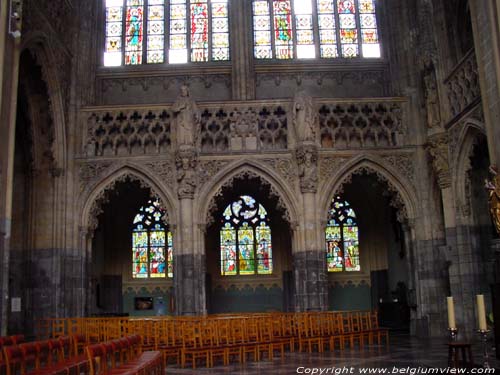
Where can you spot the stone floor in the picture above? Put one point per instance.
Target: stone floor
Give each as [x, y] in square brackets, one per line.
[404, 352]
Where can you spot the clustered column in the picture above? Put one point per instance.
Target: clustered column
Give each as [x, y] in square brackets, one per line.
[189, 266]
[311, 287]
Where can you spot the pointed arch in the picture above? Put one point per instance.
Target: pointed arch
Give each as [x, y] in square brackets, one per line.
[96, 196]
[252, 168]
[38, 44]
[405, 196]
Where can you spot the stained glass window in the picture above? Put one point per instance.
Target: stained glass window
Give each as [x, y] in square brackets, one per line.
[245, 239]
[152, 255]
[166, 31]
[342, 238]
[303, 29]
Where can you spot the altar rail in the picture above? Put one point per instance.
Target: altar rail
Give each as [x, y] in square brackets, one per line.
[251, 126]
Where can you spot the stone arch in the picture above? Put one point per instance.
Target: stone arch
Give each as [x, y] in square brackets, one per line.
[404, 199]
[226, 176]
[37, 44]
[99, 193]
[470, 134]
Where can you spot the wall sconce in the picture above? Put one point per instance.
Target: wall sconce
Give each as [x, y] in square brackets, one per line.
[15, 17]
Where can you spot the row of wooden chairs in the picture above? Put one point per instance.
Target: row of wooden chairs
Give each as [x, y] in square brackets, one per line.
[335, 330]
[123, 356]
[233, 337]
[48, 357]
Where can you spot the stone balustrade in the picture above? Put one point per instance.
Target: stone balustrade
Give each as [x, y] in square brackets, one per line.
[462, 84]
[250, 126]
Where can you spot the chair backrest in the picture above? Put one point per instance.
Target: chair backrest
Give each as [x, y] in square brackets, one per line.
[96, 355]
[17, 339]
[67, 346]
[56, 350]
[43, 353]
[30, 356]
[14, 359]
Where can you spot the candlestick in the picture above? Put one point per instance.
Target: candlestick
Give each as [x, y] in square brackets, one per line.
[453, 332]
[484, 339]
[481, 312]
[451, 313]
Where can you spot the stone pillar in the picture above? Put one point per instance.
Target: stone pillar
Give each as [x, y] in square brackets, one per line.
[189, 261]
[311, 287]
[462, 271]
[486, 32]
[9, 71]
[242, 76]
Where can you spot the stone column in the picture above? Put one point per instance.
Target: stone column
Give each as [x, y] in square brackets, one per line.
[462, 272]
[242, 76]
[311, 289]
[9, 70]
[189, 261]
[486, 32]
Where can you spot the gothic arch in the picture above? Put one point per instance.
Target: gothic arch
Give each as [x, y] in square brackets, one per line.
[404, 195]
[241, 168]
[470, 134]
[98, 195]
[37, 43]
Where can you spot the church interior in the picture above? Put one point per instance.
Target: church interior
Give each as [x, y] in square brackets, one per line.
[177, 165]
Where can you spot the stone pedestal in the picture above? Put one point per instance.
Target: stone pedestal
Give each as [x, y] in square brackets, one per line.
[311, 286]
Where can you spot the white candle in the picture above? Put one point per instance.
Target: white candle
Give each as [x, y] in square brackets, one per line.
[481, 312]
[451, 313]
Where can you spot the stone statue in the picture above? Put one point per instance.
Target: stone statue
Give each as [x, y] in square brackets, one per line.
[493, 187]
[188, 118]
[431, 93]
[185, 163]
[304, 117]
[307, 159]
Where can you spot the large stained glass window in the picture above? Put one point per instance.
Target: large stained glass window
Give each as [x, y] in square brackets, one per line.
[342, 238]
[245, 239]
[151, 243]
[305, 29]
[165, 31]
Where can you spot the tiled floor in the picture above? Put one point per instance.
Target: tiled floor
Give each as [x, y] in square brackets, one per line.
[402, 353]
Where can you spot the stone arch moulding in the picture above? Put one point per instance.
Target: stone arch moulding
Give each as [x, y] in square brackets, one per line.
[37, 43]
[226, 177]
[98, 195]
[404, 196]
[469, 135]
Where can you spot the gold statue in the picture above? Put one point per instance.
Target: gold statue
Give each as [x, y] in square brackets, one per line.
[493, 187]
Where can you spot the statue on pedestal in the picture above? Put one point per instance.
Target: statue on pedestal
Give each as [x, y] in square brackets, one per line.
[304, 117]
[431, 93]
[187, 118]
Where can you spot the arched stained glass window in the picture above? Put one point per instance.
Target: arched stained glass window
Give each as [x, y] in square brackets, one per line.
[245, 239]
[166, 31]
[342, 238]
[307, 29]
[151, 243]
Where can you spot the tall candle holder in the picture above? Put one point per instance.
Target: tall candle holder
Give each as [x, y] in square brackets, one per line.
[484, 338]
[453, 333]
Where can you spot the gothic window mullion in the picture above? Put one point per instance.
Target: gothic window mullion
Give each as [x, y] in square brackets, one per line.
[316, 36]
[358, 28]
[254, 245]
[124, 32]
[166, 33]
[145, 32]
[273, 30]
[210, 30]
[337, 28]
[294, 28]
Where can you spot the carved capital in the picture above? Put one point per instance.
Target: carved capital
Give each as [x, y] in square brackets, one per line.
[438, 150]
[307, 160]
